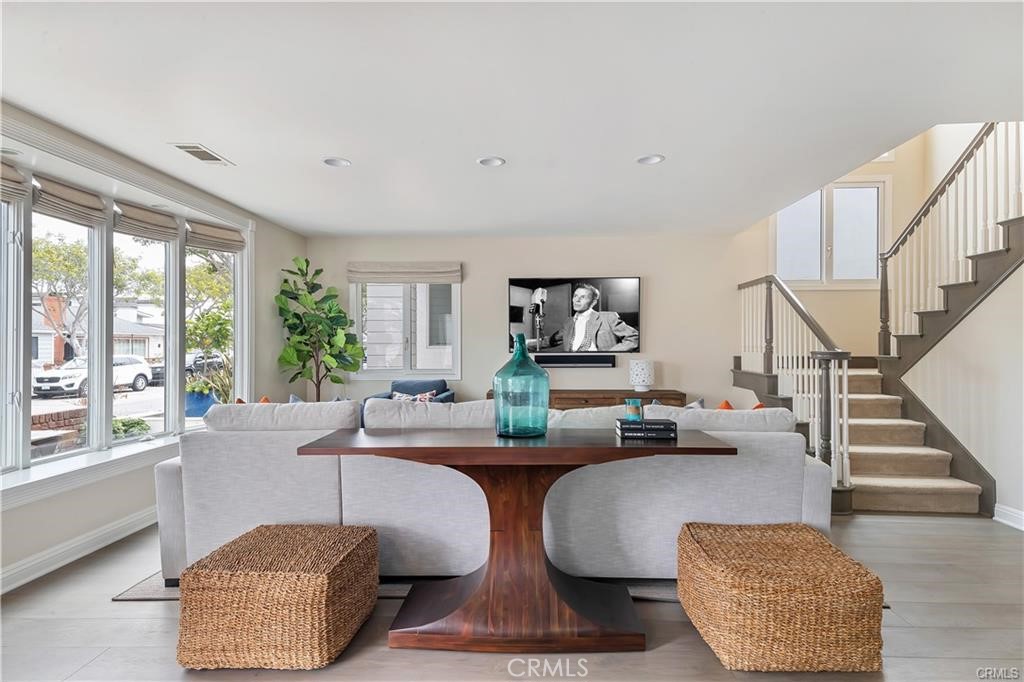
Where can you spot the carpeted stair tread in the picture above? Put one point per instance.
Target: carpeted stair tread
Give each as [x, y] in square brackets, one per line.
[863, 381]
[875, 405]
[886, 431]
[903, 460]
[914, 485]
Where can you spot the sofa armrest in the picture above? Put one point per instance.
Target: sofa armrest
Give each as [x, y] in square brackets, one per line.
[170, 518]
[446, 397]
[817, 507]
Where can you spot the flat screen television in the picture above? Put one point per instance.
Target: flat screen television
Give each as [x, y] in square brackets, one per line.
[575, 314]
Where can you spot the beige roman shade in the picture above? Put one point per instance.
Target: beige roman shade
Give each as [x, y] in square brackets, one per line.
[12, 183]
[142, 222]
[391, 272]
[216, 237]
[62, 201]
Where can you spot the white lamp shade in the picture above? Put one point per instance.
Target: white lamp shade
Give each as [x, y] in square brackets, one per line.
[641, 374]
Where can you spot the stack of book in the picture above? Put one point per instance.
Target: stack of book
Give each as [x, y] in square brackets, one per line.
[646, 429]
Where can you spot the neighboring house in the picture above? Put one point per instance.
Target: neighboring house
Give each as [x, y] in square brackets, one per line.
[130, 338]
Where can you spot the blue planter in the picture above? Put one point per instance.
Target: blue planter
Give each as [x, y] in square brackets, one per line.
[196, 404]
[521, 395]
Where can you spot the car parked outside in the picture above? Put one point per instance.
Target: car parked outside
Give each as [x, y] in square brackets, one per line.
[71, 378]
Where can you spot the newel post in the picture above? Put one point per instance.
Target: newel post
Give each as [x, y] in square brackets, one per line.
[884, 334]
[769, 334]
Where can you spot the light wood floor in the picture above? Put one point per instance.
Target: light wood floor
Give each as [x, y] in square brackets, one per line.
[954, 584]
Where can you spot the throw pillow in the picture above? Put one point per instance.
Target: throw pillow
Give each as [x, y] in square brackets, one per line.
[697, 404]
[264, 399]
[292, 398]
[725, 405]
[239, 401]
[759, 406]
[418, 398]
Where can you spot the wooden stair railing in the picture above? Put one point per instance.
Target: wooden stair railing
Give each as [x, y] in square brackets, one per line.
[779, 337]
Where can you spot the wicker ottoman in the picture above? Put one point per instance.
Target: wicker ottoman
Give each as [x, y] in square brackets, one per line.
[282, 597]
[779, 597]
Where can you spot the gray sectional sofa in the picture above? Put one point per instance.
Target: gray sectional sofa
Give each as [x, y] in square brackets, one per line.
[618, 519]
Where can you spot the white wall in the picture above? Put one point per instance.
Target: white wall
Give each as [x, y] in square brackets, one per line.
[689, 318]
[973, 380]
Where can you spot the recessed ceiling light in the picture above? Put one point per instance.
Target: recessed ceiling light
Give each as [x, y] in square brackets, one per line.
[491, 161]
[337, 162]
[7, 151]
[651, 159]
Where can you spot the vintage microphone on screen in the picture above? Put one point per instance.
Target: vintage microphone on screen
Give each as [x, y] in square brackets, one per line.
[537, 301]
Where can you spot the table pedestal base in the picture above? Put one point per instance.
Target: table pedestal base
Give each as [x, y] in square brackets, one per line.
[518, 601]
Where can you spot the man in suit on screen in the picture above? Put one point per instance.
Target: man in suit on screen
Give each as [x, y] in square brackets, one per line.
[592, 330]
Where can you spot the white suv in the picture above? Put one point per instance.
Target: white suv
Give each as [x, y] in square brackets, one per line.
[71, 377]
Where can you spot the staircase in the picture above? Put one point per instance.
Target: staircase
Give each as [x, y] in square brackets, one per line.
[891, 468]
[888, 451]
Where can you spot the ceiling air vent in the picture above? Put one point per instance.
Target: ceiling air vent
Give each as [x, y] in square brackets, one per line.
[202, 153]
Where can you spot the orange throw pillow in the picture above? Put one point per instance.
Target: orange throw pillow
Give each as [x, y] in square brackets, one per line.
[239, 401]
[725, 405]
[264, 399]
[759, 406]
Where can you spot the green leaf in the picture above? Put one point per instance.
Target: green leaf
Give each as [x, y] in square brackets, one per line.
[302, 265]
[329, 361]
[335, 379]
[288, 357]
[306, 300]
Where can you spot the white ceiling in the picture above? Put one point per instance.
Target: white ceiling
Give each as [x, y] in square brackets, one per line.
[754, 105]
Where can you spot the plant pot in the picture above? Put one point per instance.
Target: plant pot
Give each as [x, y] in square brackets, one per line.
[196, 404]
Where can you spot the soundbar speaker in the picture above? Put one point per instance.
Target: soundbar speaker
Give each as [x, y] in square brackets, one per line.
[575, 360]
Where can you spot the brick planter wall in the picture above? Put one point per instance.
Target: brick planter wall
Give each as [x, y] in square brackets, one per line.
[60, 421]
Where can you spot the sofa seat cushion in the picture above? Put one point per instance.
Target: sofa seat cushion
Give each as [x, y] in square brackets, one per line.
[403, 414]
[340, 414]
[770, 419]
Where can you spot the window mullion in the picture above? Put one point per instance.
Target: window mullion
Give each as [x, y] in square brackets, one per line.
[828, 249]
[407, 318]
[99, 346]
[174, 324]
[20, 411]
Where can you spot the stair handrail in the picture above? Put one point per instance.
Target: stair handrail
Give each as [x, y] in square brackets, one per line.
[819, 377]
[939, 190]
[798, 307]
[960, 218]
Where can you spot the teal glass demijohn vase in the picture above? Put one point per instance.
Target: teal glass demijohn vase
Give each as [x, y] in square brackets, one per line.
[521, 395]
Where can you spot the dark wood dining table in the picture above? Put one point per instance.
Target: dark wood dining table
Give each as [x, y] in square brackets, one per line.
[517, 601]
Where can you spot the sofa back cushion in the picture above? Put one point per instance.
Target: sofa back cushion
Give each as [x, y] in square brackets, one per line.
[773, 419]
[342, 414]
[417, 386]
[402, 414]
[586, 417]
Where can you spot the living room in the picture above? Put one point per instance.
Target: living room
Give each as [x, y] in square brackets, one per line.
[804, 247]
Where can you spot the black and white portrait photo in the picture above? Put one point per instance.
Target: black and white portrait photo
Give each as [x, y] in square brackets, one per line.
[576, 315]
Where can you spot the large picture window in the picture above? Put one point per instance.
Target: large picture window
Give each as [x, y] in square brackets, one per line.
[111, 308]
[832, 236]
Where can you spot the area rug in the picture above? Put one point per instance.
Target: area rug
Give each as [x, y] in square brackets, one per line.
[152, 589]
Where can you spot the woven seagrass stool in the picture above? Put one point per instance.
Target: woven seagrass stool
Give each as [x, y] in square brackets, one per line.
[282, 597]
[779, 597]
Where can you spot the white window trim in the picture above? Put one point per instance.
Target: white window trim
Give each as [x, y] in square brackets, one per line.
[884, 236]
[454, 374]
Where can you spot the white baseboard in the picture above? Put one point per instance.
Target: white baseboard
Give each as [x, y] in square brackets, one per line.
[52, 558]
[1010, 516]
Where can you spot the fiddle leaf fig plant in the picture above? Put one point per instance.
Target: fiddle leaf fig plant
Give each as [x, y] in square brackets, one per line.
[319, 346]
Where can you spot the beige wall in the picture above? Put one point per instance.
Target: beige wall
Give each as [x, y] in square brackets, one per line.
[274, 248]
[35, 527]
[943, 146]
[973, 381]
[689, 318]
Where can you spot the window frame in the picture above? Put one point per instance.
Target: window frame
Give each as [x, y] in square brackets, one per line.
[15, 443]
[407, 370]
[827, 282]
